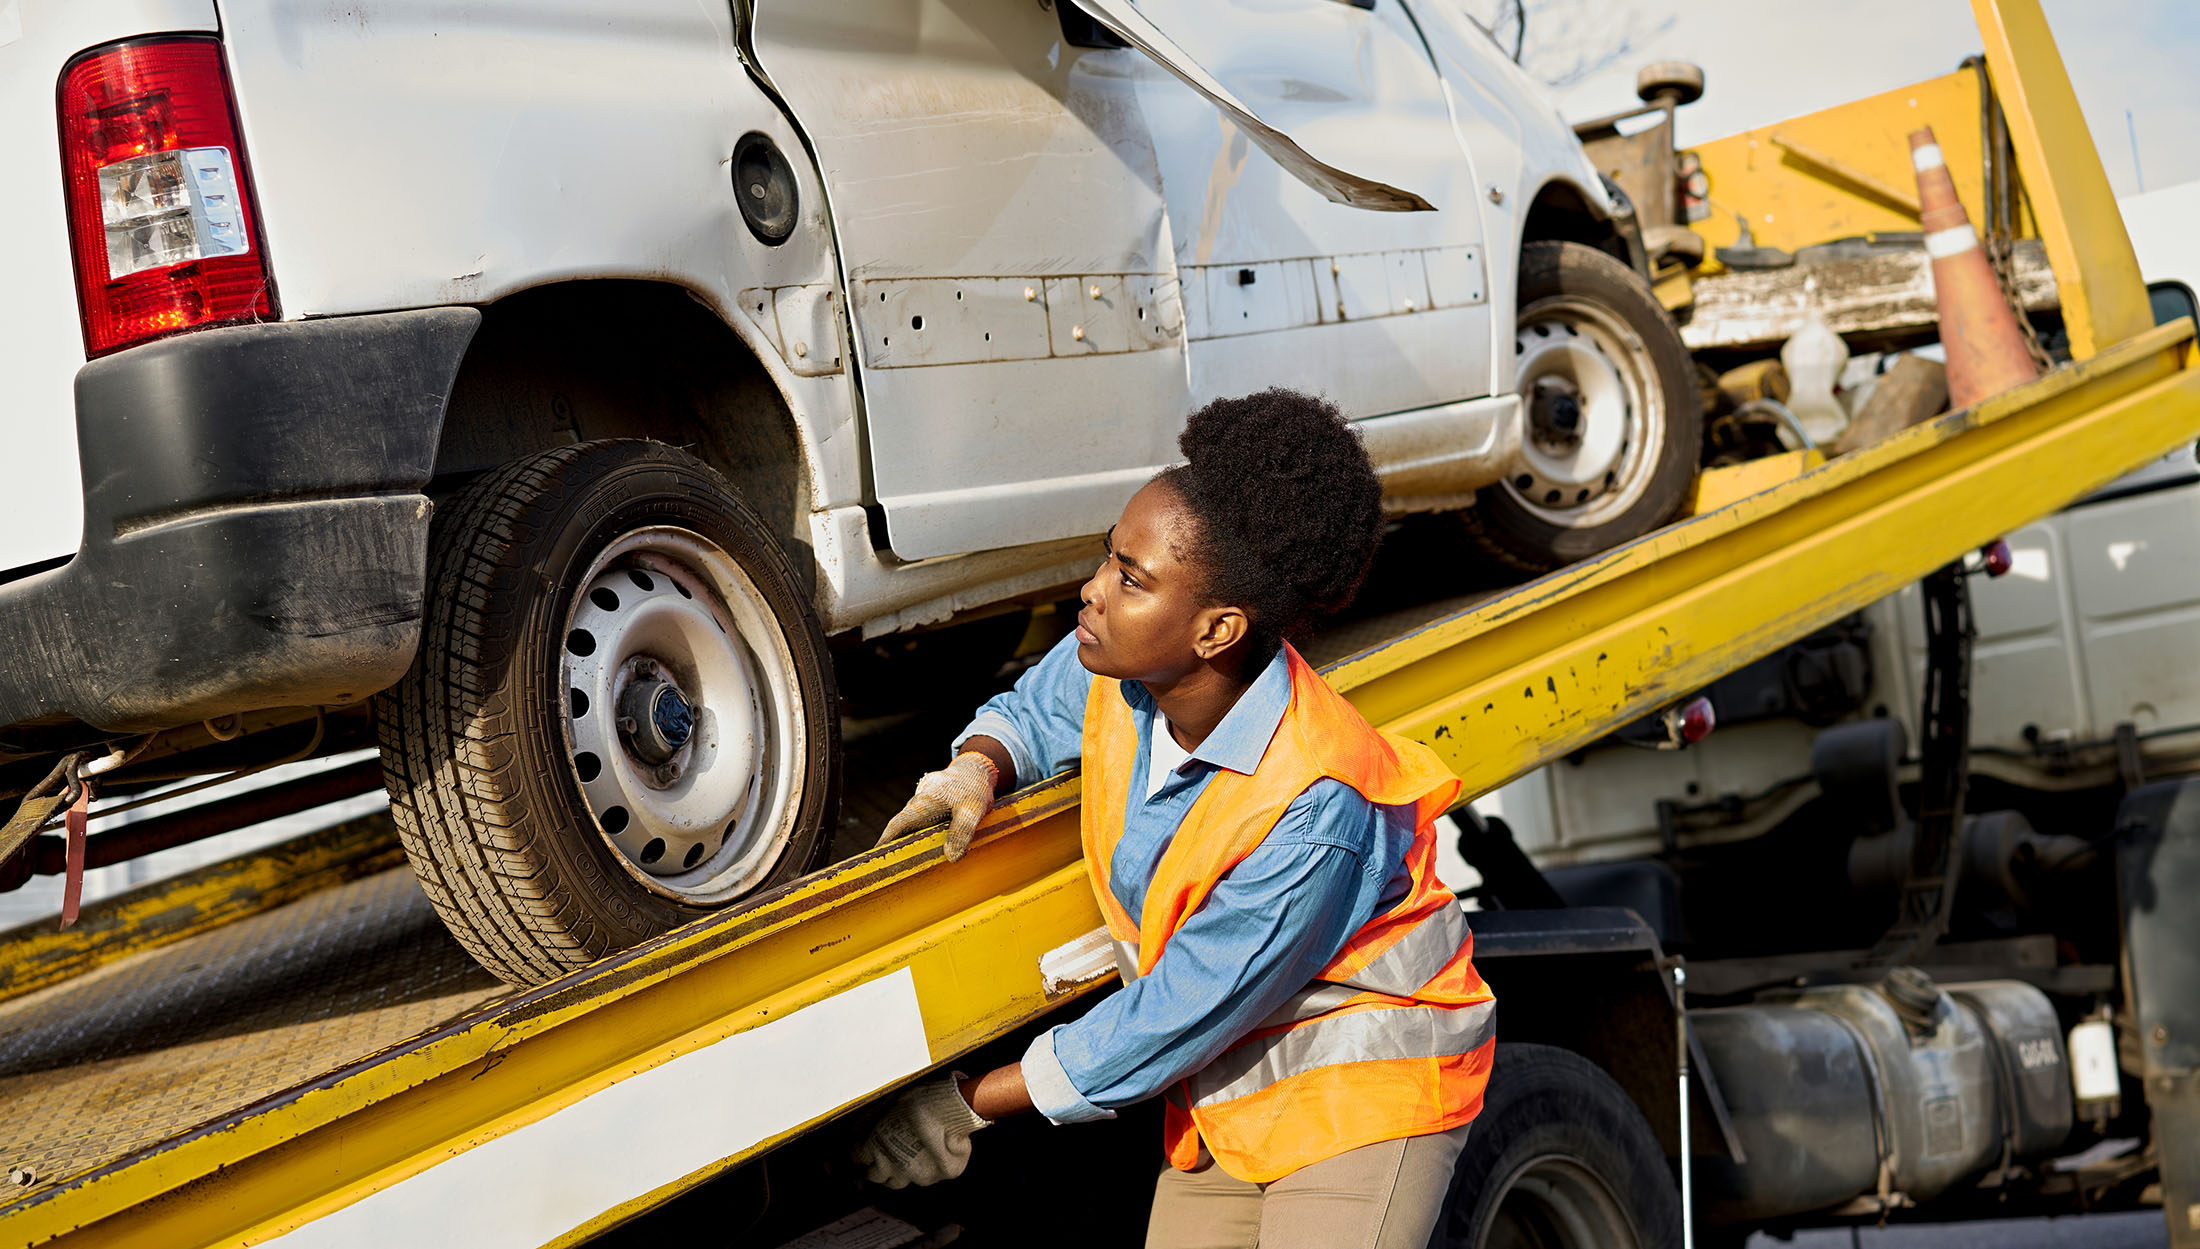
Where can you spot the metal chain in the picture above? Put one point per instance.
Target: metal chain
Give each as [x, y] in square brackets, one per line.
[2000, 190]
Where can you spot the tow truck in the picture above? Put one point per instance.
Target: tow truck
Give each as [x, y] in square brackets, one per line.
[288, 1048]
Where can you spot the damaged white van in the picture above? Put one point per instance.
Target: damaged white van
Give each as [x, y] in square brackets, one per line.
[535, 389]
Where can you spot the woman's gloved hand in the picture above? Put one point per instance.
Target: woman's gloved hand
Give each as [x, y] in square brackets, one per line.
[963, 789]
[925, 1136]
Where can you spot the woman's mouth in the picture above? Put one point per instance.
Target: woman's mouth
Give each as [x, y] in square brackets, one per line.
[1085, 635]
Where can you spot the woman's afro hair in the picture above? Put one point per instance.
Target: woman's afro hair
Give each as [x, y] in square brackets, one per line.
[1288, 509]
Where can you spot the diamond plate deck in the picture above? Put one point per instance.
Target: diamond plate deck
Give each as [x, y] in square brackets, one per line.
[97, 1067]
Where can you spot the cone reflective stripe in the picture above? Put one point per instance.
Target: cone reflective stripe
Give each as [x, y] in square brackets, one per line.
[1985, 348]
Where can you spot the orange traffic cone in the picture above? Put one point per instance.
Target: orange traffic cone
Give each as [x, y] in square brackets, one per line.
[1986, 351]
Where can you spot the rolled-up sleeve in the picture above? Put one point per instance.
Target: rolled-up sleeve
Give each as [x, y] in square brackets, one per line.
[1041, 720]
[1270, 925]
[1053, 1094]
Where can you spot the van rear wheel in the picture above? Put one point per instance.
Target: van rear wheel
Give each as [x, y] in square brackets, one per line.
[621, 716]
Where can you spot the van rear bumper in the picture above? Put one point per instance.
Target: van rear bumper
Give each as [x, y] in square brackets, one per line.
[255, 532]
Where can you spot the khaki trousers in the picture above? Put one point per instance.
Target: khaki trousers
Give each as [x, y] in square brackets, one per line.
[1383, 1196]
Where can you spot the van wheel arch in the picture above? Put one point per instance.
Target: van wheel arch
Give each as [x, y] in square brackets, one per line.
[612, 358]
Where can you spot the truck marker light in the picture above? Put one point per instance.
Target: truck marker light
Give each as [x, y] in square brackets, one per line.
[161, 218]
[1686, 724]
[1697, 720]
[1995, 556]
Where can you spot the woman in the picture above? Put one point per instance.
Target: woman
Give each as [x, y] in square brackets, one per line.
[1299, 984]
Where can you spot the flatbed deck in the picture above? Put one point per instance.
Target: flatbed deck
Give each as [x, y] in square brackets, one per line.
[123, 1057]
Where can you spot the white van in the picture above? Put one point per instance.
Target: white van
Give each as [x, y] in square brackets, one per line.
[563, 378]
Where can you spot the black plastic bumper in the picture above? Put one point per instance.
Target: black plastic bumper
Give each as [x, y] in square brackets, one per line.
[254, 529]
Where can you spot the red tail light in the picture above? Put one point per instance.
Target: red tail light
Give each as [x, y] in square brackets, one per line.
[161, 217]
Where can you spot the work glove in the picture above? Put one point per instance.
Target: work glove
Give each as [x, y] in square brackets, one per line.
[924, 1138]
[963, 789]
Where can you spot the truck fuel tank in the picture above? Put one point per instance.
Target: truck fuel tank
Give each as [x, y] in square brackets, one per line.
[1827, 1086]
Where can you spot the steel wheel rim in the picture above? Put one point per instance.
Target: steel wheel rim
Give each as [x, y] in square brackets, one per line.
[666, 607]
[1574, 343]
[1556, 1202]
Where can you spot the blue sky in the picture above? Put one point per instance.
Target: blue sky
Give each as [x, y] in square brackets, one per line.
[1765, 60]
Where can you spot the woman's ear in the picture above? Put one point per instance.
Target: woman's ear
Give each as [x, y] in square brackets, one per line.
[1219, 629]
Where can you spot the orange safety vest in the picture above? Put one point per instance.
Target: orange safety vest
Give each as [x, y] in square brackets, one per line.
[1395, 1036]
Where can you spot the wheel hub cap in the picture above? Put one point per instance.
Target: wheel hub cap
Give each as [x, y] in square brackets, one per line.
[1592, 419]
[682, 716]
[1557, 1202]
[655, 719]
[1554, 411]
[1577, 418]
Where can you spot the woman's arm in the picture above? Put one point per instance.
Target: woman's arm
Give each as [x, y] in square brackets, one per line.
[998, 1092]
[1021, 735]
[1003, 762]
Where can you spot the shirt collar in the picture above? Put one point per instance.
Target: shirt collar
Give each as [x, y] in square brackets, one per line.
[1246, 729]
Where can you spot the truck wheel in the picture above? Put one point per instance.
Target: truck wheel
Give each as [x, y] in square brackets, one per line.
[621, 715]
[1612, 422]
[1559, 1159]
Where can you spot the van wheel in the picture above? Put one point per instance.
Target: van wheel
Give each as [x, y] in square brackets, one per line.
[1558, 1159]
[1612, 423]
[621, 716]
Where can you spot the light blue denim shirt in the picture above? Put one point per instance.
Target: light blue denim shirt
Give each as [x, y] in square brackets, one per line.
[1333, 862]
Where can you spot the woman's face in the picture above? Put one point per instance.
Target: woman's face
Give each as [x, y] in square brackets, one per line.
[1146, 615]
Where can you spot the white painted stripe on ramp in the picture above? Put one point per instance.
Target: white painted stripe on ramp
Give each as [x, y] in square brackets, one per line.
[542, 1180]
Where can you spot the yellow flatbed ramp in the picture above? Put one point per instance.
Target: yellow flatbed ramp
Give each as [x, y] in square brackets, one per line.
[335, 1072]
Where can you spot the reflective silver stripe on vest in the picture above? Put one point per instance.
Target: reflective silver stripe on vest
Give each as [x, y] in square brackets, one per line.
[1126, 960]
[1318, 998]
[1363, 1036]
[1414, 959]
[1411, 961]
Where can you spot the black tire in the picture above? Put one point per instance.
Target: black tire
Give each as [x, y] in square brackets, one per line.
[1535, 524]
[477, 738]
[1594, 1175]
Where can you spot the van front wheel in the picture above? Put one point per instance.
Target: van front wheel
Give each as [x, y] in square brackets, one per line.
[1611, 422]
